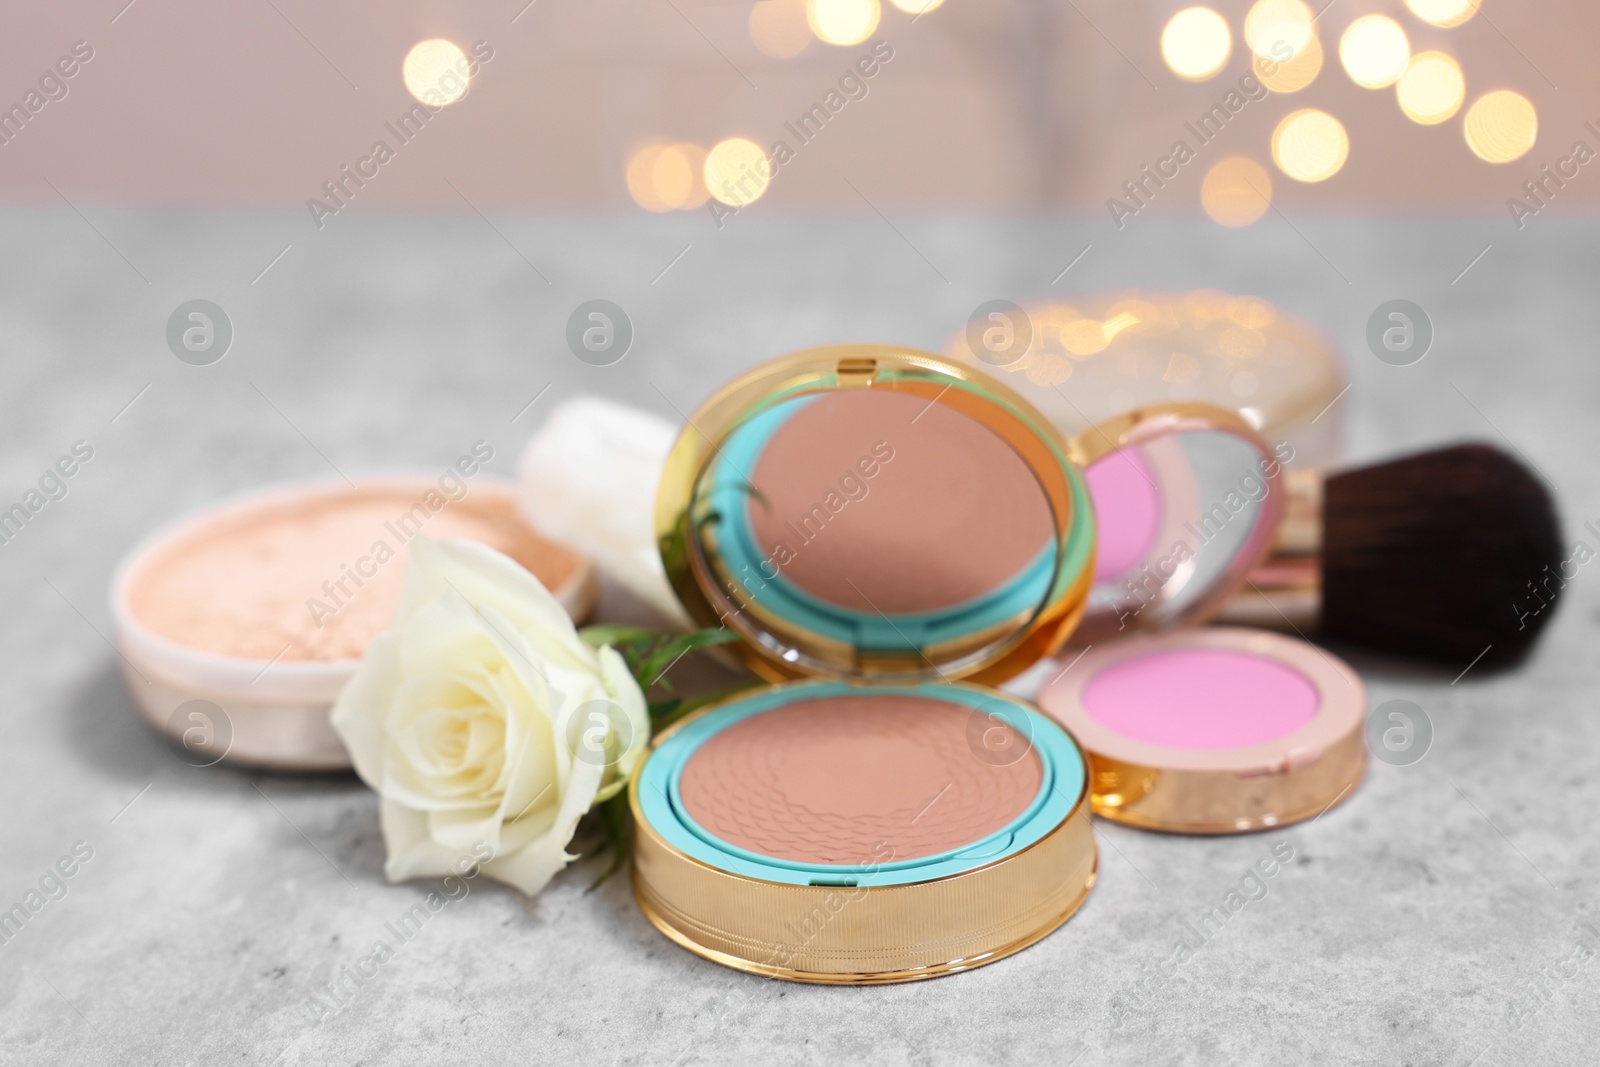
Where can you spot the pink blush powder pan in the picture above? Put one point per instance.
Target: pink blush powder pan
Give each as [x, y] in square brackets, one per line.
[1201, 698]
[1213, 730]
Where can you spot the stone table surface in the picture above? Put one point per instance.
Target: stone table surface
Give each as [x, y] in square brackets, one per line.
[1447, 913]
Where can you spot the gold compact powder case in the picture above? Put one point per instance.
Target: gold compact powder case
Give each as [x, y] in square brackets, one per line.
[1219, 730]
[889, 533]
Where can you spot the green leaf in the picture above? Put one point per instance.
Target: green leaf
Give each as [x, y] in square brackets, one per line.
[662, 656]
[614, 817]
[616, 636]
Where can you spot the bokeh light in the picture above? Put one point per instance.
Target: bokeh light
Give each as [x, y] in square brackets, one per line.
[1278, 29]
[843, 22]
[1294, 75]
[1432, 89]
[737, 171]
[435, 72]
[1444, 13]
[1310, 145]
[1196, 43]
[641, 178]
[1374, 51]
[1501, 126]
[1236, 191]
[916, 7]
[679, 176]
[779, 27]
[665, 177]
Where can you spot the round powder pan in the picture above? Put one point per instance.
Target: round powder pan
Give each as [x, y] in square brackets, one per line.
[834, 833]
[231, 644]
[1213, 731]
[888, 533]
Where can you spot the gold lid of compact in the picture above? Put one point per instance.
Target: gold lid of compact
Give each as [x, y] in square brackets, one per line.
[904, 588]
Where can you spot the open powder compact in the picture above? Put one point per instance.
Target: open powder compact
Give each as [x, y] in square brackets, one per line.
[238, 626]
[1191, 730]
[888, 532]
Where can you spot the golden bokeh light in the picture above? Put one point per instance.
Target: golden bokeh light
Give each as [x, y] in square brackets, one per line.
[1310, 145]
[1294, 75]
[1374, 51]
[641, 178]
[1501, 126]
[779, 27]
[678, 176]
[916, 7]
[665, 177]
[1278, 29]
[843, 22]
[436, 72]
[1196, 43]
[737, 171]
[1444, 13]
[1236, 191]
[1432, 89]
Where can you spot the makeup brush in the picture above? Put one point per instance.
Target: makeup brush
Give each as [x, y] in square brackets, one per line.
[1451, 555]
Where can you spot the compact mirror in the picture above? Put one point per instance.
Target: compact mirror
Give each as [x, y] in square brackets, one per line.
[1186, 500]
[883, 522]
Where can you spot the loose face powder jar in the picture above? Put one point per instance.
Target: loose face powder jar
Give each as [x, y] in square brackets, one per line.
[1217, 730]
[889, 527]
[262, 608]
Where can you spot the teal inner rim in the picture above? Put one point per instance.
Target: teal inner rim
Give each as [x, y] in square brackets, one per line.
[1060, 787]
[729, 499]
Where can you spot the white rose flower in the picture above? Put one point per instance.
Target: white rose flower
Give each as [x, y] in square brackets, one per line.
[482, 717]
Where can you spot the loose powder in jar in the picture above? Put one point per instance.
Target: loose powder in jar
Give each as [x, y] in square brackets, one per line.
[317, 577]
[1201, 698]
[858, 780]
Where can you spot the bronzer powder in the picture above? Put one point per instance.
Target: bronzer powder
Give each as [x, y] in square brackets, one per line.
[1201, 698]
[305, 578]
[854, 779]
[886, 502]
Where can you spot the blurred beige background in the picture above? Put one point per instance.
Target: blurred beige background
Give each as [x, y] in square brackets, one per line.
[1004, 106]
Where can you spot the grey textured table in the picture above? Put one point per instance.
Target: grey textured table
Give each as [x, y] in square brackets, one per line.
[1421, 922]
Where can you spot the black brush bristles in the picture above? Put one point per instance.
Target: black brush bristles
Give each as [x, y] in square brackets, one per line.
[1441, 555]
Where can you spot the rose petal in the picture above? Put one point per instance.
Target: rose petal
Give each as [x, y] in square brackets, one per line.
[413, 853]
[530, 868]
[360, 712]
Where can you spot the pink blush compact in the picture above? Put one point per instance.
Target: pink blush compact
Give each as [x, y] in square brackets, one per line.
[1214, 730]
